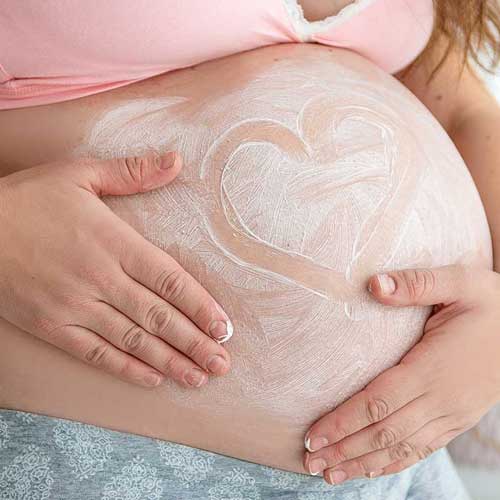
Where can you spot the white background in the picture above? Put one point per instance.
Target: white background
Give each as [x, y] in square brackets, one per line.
[494, 84]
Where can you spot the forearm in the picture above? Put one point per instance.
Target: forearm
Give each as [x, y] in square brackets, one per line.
[477, 137]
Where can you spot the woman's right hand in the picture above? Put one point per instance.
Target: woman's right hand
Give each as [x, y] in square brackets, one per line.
[77, 276]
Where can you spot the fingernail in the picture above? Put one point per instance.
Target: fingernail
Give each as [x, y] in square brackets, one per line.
[387, 284]
[337, 476]
[316, 444]
[221, 331]
[307, 441]
[317, 466]
[168, 160]
[152, 379]
[216, 364]
[375, 473]
[195, 377]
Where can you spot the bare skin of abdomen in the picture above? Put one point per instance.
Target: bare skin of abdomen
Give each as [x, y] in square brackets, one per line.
[306, 170]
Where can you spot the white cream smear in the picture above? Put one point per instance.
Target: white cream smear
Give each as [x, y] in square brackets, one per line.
[297, 186]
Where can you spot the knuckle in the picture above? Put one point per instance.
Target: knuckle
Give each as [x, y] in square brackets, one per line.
[401, 451]
[97, 355]
[134, 339]
[171, 284]
[376, 409]
[361, 466]
[89, 273]
[339, 453]
[418, 282]
[340, 429]
[423, 453]
[135, 169]
[170, 366]
[384, 438]
[204, 312]
[126, 371]
[195, 347]
[45, 326]
[159, 319]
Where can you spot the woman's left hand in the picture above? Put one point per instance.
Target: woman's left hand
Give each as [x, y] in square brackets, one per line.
[441, 387]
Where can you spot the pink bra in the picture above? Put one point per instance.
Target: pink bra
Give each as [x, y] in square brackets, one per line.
[56, 50]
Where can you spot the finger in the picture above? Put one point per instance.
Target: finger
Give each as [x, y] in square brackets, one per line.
[424, 287]
[371, 464]
[383, 435]
[164, 321]
[157, 271]
[122, 176]
[129, 337]
[89, 347]
[389, 392]
[435, 445]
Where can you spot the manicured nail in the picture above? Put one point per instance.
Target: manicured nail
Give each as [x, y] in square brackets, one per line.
[317, 466]
[168, 160]
[195, 377]
[221, 331]
[307, 441]
[387, 284]
[152, 380]
[216, 364]
[307, 444]
[316, 444]
[375, 473]
[337, 476]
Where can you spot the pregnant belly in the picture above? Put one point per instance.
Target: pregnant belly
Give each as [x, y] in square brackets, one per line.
[306, 170]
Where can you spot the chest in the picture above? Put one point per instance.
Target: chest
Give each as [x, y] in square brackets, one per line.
[315, 10]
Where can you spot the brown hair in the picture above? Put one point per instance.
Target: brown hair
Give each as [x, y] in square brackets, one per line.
[471, 26]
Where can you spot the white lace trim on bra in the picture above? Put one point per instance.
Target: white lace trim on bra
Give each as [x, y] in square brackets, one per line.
[305, 29]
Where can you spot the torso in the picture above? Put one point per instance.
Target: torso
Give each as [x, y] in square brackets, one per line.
[330, 182]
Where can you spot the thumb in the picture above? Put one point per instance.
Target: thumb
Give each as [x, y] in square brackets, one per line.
[130, 175]
[420, 287]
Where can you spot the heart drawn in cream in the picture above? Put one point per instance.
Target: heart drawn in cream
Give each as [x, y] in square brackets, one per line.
[373, 247]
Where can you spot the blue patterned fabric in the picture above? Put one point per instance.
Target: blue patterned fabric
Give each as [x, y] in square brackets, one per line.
[51, 458]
